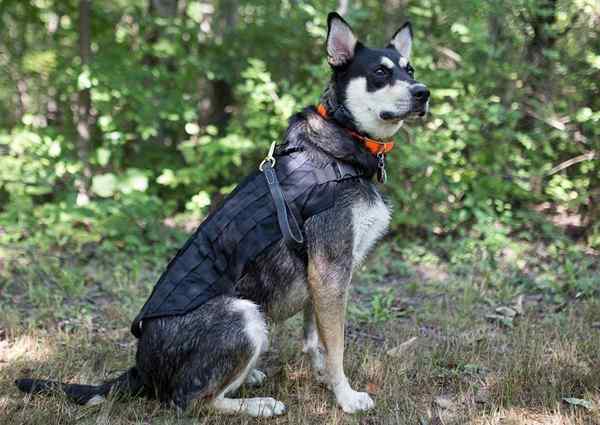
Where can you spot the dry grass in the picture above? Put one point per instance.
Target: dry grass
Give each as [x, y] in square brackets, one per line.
[462, 368]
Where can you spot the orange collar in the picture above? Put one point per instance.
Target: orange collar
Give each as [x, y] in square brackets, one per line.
[376, 147]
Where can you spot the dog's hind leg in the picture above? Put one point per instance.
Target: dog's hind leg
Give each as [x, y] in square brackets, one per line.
[256, 333]
[255, 378]
[206, 355]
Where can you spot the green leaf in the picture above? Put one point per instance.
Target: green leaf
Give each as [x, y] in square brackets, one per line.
[584, 114]
[103, 156]
[104, 185]
[134, 180]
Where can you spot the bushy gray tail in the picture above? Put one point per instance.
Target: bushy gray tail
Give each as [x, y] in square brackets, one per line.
[129, 383]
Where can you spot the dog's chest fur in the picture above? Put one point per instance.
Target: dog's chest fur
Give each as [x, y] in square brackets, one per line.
[370, 220]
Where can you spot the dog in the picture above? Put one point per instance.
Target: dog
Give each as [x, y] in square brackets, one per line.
[209, 352]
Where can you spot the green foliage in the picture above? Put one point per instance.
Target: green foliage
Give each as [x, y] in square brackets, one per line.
[379, 311]
[184, 105]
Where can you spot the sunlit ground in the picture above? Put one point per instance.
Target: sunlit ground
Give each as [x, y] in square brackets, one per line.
[430, 343]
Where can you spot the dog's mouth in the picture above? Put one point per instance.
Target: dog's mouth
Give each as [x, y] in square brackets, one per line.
[391, 116]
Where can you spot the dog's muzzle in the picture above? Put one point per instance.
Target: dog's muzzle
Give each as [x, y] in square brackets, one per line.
[420, 99]
[419, 104]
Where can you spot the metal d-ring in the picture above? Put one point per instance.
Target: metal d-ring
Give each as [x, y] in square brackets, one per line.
[269, 158]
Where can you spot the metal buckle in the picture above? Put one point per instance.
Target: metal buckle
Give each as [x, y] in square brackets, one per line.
[269, 158]
[381, 173]
[338, 170]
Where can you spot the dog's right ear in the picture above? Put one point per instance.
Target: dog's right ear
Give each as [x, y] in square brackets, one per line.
[402, 40]
[341, 41]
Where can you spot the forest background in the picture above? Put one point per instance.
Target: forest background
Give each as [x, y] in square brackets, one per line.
[122, 123]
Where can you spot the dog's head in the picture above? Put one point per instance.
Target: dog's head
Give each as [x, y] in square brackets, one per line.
[376, 86]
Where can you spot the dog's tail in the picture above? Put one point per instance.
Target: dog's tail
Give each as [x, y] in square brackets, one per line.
[129, 383]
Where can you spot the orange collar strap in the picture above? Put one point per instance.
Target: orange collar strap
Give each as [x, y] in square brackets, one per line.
[376, 147]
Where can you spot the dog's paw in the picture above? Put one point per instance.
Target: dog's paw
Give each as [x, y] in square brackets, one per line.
[257, 407]
[255, 378]
[353, 401]
[264, 407]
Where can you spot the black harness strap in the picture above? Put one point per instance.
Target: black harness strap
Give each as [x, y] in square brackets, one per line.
[290, 230]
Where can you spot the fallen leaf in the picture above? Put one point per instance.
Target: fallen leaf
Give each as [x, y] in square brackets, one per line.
[451, 364]
[506, 321]
[578, 402]
[519, 306]
[373, 388]
[444, 403]
[506, 312]
[402, 349]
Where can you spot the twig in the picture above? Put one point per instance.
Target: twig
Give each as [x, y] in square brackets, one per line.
[552, 122]
[583, 157]
[450, 54]
[366, 335]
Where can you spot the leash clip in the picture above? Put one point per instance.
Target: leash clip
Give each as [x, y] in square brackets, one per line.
[269, 158]
[381, 173]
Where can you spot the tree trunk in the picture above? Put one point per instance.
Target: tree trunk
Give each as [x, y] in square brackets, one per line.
[84, 102]
[343, 5]
[220, 94]
[160, 9]
[163, 8]
[542, 21]
[395, 15]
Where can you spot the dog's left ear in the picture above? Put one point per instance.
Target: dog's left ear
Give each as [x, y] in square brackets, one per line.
[402, 40]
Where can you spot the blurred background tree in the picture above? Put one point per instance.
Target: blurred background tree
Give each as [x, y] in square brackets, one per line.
[118, 117]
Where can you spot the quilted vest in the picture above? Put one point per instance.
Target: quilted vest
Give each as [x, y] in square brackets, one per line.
[215, 257]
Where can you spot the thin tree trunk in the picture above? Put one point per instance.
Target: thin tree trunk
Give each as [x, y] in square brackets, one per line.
[220, 94]
[21, 95]
[542, 22]
[163, 8]
[343, 5]
[394, 16]
[84, 102]
[159, 9]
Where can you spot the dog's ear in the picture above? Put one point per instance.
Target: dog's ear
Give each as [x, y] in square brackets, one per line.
[402, 40]
[341, 41]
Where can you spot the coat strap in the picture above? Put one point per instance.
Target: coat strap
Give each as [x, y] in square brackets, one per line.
[292, 235]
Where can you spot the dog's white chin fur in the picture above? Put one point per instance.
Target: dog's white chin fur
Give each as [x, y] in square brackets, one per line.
[366, 106]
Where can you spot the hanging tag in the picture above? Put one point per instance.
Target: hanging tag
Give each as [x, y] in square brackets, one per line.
[381, 174]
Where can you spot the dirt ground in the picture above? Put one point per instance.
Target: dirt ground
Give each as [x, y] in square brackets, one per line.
[432, 344]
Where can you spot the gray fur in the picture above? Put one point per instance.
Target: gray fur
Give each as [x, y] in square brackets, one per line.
[194, 356]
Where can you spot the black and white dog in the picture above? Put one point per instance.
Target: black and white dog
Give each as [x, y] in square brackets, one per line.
[210, 351]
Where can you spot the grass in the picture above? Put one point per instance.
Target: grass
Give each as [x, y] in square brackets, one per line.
[68, 318]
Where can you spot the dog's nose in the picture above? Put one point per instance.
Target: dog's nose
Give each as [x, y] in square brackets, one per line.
[420, 92]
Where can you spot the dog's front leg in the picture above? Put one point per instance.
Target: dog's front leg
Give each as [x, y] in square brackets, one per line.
[329, 282]
[312, 344]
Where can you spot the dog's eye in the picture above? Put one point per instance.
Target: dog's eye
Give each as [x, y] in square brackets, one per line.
[410, 70]
[381, 71]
